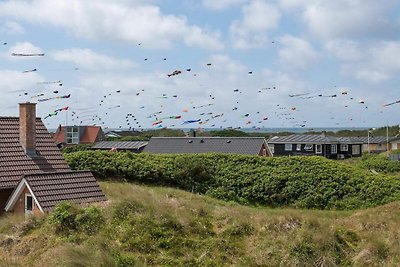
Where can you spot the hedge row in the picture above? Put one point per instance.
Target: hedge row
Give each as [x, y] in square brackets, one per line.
[306, 182]
[379, 163]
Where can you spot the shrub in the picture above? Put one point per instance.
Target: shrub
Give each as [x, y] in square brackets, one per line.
[63, 218]
[379, 163]
[89, 220]
[76, 148]
[306, 182]
[68, 218]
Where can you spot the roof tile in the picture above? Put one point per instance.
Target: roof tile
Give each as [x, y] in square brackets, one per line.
[53, 188]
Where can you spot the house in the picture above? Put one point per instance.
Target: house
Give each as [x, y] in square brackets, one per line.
[39, 193]
[308, 145]
[132, 146]
[393, 143]
[197, 145]
[74, 135]
[27, 150]
[372, 144]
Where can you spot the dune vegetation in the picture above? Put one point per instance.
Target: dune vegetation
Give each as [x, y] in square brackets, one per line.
[159, 226]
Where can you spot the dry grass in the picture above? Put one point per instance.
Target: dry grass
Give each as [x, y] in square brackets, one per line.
[221, 233]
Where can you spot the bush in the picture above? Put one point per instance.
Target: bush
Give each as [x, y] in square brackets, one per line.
[67, 219]
[75, 148]
[306, 182]
[379, 163]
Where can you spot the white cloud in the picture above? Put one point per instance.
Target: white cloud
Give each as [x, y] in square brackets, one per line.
[369, 75]
[384, 56]
[86, 58]
[198, 37]
[296, 52]
[221, 4]
[378, 64]
[257, 18]
[346, 50]
[293, 4]
[22, 48]
[12, 27]
[345, 18]
[132, 22]
[13, 85]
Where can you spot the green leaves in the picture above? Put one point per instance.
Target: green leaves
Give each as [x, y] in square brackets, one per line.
[305, 182]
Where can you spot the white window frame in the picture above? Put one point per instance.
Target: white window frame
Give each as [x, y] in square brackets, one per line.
[334, 149]
[264, 151]
[309, 147]
[287, 147]
[344, 147]
[354, 149]
[318, 148]
[298, 147]
[271, 148]
[28, 212]
[72, 135]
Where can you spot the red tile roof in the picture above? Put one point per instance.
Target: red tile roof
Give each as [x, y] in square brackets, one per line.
[59, 135]
[90, 134]
[14, 162]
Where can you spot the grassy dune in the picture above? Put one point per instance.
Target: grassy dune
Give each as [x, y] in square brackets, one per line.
[157, 226]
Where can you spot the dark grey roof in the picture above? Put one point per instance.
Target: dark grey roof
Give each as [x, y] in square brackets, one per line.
[234, 145]
[311, 139]
[391, 139]
[372, 139]
[75, 186]
[122, 145]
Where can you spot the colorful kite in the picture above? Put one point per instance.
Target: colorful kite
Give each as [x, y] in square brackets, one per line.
[27, 55]
[56, 97]
[191, 121]
[389, 104]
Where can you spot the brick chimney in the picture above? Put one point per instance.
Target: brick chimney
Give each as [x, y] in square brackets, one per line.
[27, 128]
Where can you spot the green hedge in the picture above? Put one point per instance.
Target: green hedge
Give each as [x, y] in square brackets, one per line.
[379, 163]
[306, 182]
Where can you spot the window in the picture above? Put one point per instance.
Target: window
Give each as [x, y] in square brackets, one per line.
[333, 149]
[318, 149]
[72, 135]
[271, 148]
[308, 147]
[28, 203]
[298, 147]
[288, 147]
[344, 147]
[264, 152]
[355, 150]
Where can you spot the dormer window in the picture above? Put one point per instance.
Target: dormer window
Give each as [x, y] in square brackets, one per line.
[72, 135]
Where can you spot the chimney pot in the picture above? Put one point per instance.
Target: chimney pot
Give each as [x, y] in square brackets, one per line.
[27, 128]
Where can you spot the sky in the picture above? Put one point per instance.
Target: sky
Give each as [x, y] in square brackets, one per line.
[138, 64]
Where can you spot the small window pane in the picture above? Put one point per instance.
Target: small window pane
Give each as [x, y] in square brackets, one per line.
[29, 203]
[272, 148]
[309, 147]
[288, 147]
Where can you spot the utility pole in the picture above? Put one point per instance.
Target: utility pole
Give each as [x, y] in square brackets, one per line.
[66, 117]
[387, 136]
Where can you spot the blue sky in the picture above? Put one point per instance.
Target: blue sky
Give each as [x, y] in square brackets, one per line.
[247, 58]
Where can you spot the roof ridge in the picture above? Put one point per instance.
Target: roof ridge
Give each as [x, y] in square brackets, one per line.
[56, 172]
